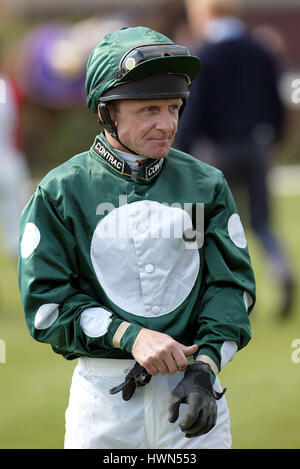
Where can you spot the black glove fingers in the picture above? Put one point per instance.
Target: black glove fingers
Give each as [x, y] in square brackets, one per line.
[212, 412]
[202, 430]
[196, 390]
[129, 389]
[174, 404]
[118, 388]
[209, 424]
[192, 418]
[212, 422]
[199, 425]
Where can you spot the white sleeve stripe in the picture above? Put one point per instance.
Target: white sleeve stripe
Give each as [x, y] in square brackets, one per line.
[119, 333]
[206, 359]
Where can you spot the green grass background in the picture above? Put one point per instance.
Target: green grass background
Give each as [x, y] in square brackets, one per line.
[263, 382]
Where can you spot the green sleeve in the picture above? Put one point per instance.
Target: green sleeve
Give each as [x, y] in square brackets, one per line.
[57, 310]
[228, 293]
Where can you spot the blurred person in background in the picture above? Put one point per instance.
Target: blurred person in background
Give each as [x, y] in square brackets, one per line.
[273, 41]
[14, 173]
[170, 18]
[235, 117]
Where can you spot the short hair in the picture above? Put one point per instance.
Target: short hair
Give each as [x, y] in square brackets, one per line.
[115, 105]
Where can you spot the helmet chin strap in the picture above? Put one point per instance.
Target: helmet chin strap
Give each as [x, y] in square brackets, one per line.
[106, 121]
[125, 146]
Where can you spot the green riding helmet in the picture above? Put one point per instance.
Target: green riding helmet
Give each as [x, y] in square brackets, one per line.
[137, 63]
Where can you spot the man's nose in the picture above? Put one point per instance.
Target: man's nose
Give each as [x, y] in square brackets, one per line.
[165, 121]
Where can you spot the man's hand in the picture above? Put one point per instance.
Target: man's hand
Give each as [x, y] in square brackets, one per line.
[159, 353]
[195, 389]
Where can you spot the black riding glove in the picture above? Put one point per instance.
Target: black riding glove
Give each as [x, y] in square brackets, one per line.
[138, 376]
[195, 389]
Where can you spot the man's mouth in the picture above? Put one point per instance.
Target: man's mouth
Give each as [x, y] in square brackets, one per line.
[160, 139]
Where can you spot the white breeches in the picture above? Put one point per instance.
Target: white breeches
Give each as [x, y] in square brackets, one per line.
[96, 419]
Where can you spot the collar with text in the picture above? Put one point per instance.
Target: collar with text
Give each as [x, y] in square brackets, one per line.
[148, 170]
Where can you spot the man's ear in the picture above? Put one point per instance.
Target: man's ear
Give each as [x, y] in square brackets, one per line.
[113, 111]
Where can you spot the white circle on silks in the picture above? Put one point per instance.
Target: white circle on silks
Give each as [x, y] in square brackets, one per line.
[30, 240]
[236, 231]
[121, 253]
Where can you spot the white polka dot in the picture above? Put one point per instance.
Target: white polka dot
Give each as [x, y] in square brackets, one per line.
[247, 300]
[46, 315]
[236, 231]
[95, 321]
[30, 240]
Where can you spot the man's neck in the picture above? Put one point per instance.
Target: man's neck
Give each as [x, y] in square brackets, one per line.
[116, 145]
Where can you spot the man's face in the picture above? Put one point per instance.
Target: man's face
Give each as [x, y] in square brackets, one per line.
[147, 127]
